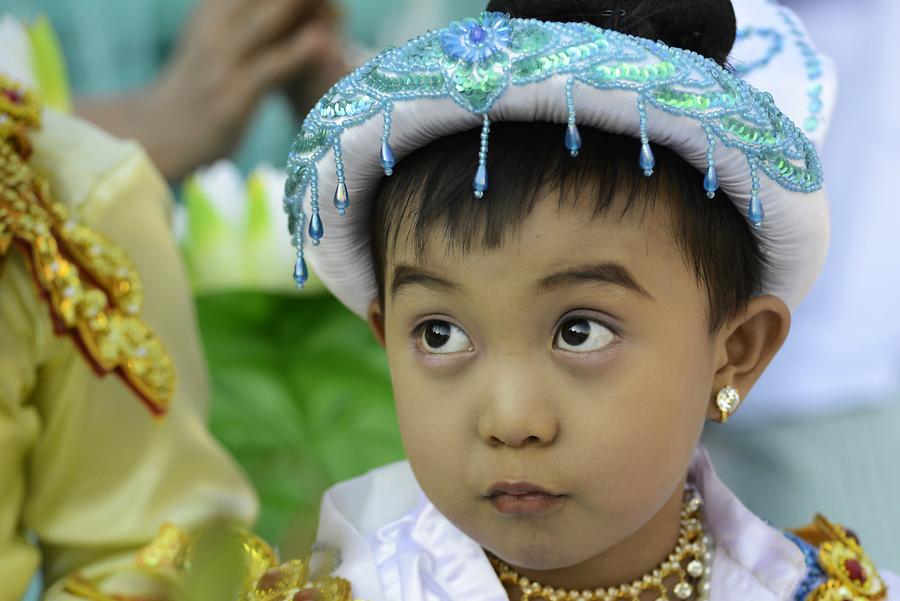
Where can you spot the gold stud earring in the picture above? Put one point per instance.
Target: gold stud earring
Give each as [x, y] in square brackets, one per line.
[727, 401]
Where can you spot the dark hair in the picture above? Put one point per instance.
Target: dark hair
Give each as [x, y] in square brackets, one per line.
[432, 187]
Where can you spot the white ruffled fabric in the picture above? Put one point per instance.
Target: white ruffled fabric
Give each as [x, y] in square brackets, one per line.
[397, 547]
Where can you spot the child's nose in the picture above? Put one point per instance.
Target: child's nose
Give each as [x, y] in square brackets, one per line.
[519, 411]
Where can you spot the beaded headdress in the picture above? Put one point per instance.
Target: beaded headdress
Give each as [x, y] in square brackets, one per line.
[496, 68]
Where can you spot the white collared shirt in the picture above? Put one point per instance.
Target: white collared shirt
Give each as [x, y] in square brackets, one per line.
[396, 546]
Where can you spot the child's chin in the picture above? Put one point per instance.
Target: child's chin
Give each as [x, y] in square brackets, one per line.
[551, 554]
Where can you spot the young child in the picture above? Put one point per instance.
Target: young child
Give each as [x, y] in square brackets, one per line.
[564, 313]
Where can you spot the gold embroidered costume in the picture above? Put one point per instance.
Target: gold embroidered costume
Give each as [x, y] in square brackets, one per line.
[91, 285]
[255, 572]
[840, 568]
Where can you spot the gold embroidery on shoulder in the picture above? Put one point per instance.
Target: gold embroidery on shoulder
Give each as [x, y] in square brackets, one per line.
[91, 286]
[228, 554]
[851, 574]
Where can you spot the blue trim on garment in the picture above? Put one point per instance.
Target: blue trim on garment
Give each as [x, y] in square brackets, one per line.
[815, 576]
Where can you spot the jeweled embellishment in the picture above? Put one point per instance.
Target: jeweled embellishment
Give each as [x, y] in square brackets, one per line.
[316, 229]
[475, 40]
[91, 286]
[727, 400]
[476, 61]
[573, 139]
[183, 560]
[711, 181]
[647, 160]
[341, 198]
[301, 272]
[851, 575]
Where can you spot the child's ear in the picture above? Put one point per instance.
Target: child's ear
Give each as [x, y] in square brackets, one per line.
[376, 321]
[747, 343]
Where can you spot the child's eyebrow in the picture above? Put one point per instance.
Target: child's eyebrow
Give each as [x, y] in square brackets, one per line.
[407, 275]
[605, 273]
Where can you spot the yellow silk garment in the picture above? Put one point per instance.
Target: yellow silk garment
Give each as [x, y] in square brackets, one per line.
[84, 466]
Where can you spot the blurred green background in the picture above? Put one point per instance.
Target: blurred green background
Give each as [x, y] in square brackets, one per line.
[301, 397]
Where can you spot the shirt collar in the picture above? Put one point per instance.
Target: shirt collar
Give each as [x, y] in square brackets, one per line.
[415, 553]
[753, 560]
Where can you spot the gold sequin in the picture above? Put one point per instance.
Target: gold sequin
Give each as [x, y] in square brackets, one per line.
[92, 288]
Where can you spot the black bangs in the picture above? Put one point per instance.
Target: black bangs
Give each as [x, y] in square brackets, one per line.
[430, 194]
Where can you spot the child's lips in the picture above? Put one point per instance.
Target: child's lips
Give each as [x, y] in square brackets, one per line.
[522, 498]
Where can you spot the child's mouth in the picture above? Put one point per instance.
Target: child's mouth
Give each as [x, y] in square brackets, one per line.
[522, 498]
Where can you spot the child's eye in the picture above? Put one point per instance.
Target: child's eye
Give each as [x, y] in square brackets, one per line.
[439, 337]
[582, 335]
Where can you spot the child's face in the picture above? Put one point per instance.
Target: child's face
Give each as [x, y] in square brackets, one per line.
[576, 357]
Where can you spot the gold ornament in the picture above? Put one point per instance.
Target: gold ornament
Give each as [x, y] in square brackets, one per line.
[177, 558]
[91, 286]
[851, 574]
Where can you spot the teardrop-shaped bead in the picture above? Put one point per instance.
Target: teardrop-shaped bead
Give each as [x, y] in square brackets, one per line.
[573, 139]
[648, 161]
[341, 198]
[756, 213]
[480, 183]
[711, 181]
[301, 274]
[316, 230]
[387, 157]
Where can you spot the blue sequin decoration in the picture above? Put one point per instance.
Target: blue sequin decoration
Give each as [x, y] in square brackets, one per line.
[475, 40]
[474, 67]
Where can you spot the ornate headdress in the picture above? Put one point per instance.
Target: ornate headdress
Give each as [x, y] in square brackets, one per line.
[496, 68]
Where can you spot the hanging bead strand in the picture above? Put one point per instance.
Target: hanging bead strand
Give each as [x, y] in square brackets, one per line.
[711, 180]
[387, 153]
[480, 183]
[755, 211]
[316, 230]
[341, 196]
[301, 273]
[573, 136]
[647, 160]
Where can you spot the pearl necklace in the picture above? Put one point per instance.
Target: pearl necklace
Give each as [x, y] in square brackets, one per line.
[690, 562]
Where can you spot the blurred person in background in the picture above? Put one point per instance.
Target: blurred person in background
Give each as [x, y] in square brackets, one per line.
[822, 426]
[198, 80]
[103, 386]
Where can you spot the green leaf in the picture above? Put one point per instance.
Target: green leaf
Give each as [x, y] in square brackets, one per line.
[49, 66]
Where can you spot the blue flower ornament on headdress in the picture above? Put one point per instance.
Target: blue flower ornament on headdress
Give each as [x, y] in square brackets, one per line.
[496, 68]
[476, 40]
